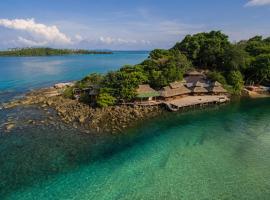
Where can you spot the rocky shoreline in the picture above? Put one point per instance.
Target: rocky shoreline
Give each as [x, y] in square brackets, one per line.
[110, 120]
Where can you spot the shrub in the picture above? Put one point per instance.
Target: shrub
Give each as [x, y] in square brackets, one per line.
[68, 92]
[105, 100]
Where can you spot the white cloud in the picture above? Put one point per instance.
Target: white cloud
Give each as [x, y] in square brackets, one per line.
[45, 34]
[30, 43]
[120, 41]
[258, 2]
[78, 37]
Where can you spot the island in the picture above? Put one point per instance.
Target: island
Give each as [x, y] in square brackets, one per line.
[201, 70]
[48, 52]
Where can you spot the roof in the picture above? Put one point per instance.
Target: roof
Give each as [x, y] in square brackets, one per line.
[216, 84]
[145, 91]
[199, 88]
[194, 79]
[217, 88]
[194, 73]
[199, 84]
[176, 84]
[169, 91]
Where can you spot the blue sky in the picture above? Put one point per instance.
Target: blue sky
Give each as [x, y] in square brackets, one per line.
[126, 24]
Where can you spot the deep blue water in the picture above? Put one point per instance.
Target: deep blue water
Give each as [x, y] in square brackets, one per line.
[215, 153]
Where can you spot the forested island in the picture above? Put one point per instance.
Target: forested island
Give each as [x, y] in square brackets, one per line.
[234, 65]
[48, 52]
[202, 69]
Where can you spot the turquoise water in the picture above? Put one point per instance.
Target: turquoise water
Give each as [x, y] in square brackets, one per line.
[215, 153]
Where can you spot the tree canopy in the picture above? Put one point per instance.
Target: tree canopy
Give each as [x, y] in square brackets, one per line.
[232, 64]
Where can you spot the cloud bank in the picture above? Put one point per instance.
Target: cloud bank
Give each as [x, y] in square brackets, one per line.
[258, 2]
[41, 34]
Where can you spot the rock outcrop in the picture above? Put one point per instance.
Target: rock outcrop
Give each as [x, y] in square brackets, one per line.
[112, 119]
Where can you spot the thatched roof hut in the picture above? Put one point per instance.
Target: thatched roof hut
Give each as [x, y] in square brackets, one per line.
[199, 88]
[145, 91]
[217, 88]
[174, 89]
[192, 77]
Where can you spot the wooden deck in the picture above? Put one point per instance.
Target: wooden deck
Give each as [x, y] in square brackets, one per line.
[190, 101]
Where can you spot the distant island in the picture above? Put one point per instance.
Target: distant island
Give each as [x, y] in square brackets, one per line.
[48, 52]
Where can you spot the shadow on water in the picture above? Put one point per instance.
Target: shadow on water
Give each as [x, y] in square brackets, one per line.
[33, 154]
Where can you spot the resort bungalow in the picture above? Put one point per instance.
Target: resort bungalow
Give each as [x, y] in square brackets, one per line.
[216, 88]
[174, 90]
[192, 77]
[200, 88]
[146, 93]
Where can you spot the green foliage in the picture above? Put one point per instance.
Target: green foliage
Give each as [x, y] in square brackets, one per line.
[235, 79]
[257, 46]
[159, 53]
[105, 99]
[227, 63]
[46, 52]
[236, 58]
[205, 50]
[90, 80]
[68, 92]
[122, 83]
[261, 68]
[165, 66]
[217, 76]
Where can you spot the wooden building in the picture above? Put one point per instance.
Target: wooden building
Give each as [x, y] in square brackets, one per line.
[146, 93]
[174, 90]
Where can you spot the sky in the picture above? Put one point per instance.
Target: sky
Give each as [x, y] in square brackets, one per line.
[126, 24]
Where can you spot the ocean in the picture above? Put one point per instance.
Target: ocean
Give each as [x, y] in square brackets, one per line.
[219, 152]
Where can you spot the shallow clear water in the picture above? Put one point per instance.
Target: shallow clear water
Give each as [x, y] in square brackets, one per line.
[215, 153]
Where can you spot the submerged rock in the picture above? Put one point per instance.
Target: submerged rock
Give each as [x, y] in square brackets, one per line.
[9, 126]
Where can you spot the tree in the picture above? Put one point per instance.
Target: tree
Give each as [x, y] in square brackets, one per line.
[236, 58]
[217, 76]
[205, 50]
[91, 79]
[105, 99]
[124, 81]
[261, 68]
[257, 46]
[235, 79]
[166, 67]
